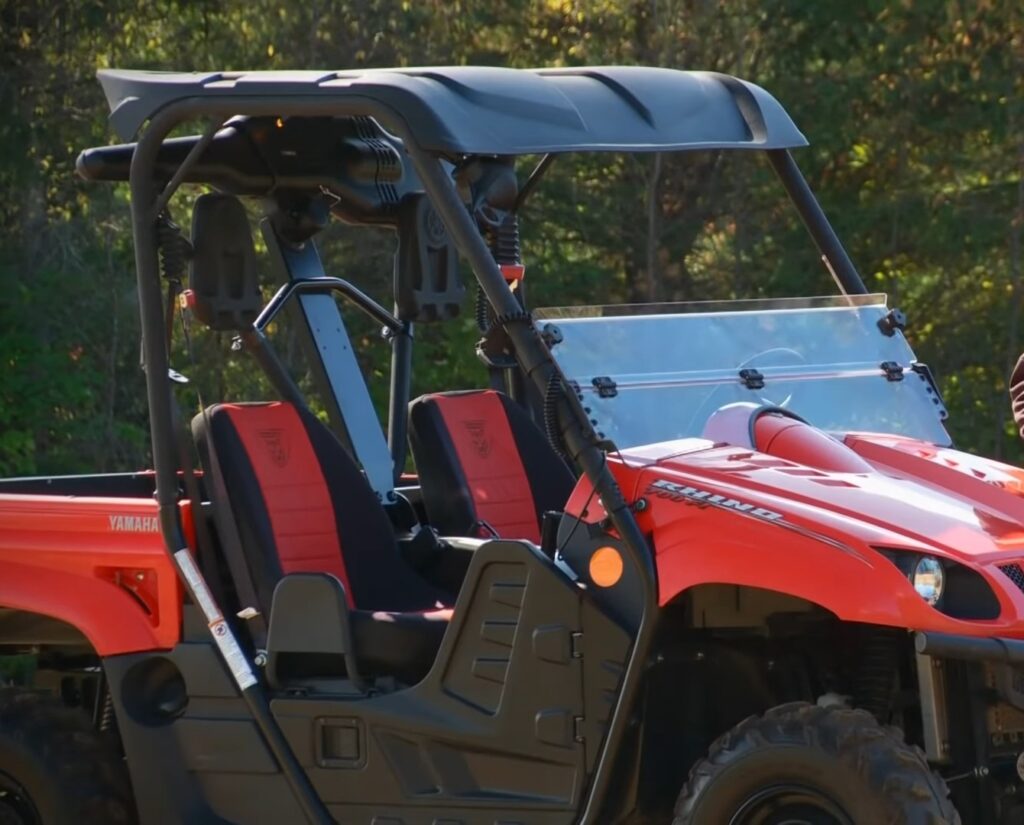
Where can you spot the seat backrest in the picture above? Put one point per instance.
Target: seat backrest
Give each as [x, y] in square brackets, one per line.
[483, 463]
[300, 504]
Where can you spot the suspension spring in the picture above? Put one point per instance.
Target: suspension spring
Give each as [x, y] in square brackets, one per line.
[174, 249]
[503, 240]
[876, 679]
[106, 720]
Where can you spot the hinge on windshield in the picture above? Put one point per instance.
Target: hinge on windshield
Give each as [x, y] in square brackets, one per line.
[606, 387]
[893, 371]
[752, 379]
[551, 335]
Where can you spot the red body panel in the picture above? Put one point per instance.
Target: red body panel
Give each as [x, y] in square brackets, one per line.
[808, 529]
[96, 563]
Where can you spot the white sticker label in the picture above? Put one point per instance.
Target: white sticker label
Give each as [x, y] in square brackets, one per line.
[226, 643]
[198, 586]
[232, 653]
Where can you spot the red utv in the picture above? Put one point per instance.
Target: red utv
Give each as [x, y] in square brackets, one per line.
[713, 564]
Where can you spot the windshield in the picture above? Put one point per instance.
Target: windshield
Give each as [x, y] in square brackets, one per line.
[670, 366]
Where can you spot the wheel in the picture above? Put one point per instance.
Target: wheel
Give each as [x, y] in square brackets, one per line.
[800, 764]
[54, 770]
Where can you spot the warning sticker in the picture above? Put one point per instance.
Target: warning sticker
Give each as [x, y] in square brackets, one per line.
[222, 635]
[196, 583]
[232, 653]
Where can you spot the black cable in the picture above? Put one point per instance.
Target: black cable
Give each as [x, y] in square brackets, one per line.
[552, 395]
[481, 310]
[174, 252]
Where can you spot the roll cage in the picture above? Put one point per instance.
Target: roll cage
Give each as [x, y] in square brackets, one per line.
[423, 120]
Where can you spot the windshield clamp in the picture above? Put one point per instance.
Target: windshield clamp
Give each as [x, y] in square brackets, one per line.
[606, 387]
[752, 379]
[894, 319]
[551, 335]
[893, 370]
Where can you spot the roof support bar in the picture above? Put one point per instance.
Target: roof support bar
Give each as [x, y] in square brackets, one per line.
[833, 254]
[537, 363]
[398, 408]
[144, 198]
[193, 155]
[331, 357]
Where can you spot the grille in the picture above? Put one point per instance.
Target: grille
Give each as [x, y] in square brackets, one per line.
[1015, 573]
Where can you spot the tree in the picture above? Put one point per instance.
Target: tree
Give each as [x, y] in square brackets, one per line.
[914, 112]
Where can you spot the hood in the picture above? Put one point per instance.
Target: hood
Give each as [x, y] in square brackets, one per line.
[907, 493]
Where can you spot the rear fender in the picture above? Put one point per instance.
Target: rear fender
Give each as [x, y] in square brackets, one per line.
[113, 621]
[97, 564]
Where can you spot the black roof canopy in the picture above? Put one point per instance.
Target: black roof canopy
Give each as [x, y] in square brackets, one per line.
[483, 110]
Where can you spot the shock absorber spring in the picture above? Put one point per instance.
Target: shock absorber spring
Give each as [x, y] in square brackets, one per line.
[107, 716]
[875, 682]
[174, 249]
[504, 240]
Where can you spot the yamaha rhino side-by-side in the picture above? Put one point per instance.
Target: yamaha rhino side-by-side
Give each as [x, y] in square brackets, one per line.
[700, 564]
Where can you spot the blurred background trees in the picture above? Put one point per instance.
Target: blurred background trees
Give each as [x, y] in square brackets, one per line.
[914, 110]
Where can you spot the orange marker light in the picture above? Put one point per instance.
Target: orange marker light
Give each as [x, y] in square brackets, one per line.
[605, 567]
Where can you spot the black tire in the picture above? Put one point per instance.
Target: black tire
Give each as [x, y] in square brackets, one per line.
[54, 769]
[800, 763]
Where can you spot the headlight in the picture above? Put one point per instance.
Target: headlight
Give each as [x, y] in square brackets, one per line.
[948, 586]
[929, 579]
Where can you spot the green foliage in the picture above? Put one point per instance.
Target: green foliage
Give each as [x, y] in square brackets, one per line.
[915, 112]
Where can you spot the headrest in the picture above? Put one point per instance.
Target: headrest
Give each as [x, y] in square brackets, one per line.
[222, 274]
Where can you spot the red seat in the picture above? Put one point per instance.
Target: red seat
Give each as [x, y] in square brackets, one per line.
[299, 503]
[484, 466]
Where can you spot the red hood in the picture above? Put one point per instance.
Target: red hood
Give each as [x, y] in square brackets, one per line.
[912, 494]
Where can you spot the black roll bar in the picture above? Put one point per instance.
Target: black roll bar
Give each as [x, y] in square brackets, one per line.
[398, 408]
[357, 296]
[833, 253]
[144, 199]
[400, 333]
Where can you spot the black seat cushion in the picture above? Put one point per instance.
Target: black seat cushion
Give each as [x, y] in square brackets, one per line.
[402, 645]
[300, 504]
[484, 465]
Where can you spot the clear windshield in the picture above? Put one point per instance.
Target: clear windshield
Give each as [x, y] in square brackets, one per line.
[673, 365]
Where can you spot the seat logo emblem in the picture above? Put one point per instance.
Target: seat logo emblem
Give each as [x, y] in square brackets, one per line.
[277, 447]
[478, 436]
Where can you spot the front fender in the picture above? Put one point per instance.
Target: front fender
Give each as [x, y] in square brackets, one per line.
[697, 545]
